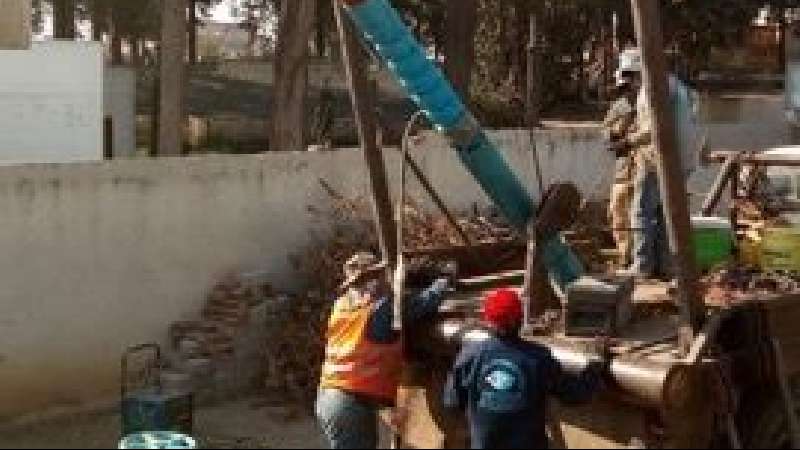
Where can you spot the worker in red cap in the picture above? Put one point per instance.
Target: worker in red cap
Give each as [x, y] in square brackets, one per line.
[503, 382]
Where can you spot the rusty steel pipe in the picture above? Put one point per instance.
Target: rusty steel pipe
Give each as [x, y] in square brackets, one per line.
[645, 382]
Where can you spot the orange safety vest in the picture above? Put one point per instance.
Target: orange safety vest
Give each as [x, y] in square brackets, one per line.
[355, 364]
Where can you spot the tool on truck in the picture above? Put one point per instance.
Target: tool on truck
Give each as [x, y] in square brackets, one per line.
[700, 375]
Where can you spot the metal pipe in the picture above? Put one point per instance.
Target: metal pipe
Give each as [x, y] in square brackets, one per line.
[425, 84]
[645, 382]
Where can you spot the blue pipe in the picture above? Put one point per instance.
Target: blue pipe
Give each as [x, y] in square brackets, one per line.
[406, 59]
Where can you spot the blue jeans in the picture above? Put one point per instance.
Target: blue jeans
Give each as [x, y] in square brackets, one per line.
[346, 420]
[647, 220]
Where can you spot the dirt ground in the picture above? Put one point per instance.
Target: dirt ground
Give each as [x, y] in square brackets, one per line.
[243, 424]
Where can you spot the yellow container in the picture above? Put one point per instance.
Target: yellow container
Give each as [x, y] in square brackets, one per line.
[780, 249]
[750, 253]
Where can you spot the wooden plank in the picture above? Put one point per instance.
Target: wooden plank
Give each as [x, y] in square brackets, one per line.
[504, 278]
[653, 292]
[756, 158]
[647, 19]
[459, 250]
[355, 61]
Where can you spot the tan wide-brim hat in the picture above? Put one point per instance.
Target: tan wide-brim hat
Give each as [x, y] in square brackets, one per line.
[361, 266]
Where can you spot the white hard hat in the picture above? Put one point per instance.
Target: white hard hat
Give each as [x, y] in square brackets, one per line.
[630, 60]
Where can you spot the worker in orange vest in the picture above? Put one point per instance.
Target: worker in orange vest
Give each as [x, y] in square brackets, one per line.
[364, 355]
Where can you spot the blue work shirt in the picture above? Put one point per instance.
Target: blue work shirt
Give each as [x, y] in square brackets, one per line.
[417, 307]
[504, 383]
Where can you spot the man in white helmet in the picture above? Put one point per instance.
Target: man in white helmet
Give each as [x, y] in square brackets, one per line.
[650, 245]
[620, 121]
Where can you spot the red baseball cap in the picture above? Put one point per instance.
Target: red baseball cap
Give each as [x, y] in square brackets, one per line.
[502, 309]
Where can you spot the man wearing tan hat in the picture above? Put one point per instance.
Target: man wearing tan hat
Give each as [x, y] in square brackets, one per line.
[364, 355]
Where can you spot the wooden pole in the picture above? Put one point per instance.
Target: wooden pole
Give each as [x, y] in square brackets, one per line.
[356, 62]
[647, 19]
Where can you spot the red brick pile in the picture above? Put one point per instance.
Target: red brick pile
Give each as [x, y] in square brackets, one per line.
[225, 314]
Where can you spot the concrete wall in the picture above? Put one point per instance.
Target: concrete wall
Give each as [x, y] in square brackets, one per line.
[100, 256]
[746, 121]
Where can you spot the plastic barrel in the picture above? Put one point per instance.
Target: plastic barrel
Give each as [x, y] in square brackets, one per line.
[158, 440]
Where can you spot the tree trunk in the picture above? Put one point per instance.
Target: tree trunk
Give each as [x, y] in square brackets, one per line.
[116, 50]
[252, 36]
[462, 20]
[173, 52]
[15, 25]
[533, 100]
[115, 39]
[782, 37]
[136, 52]
[291, 74]
[154, 117]
[99, 20]
[322, 29]
[193, 23]
[64, 19]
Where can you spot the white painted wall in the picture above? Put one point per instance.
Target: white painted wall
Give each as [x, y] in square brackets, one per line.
[100, 256]
[565, 154]
[51, 103]
[119, 102]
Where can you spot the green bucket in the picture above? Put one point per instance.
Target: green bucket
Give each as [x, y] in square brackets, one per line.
[712, 238]
[158, 440]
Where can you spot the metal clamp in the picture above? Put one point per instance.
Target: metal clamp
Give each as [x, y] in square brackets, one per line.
[558, 209]
[464, 133]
